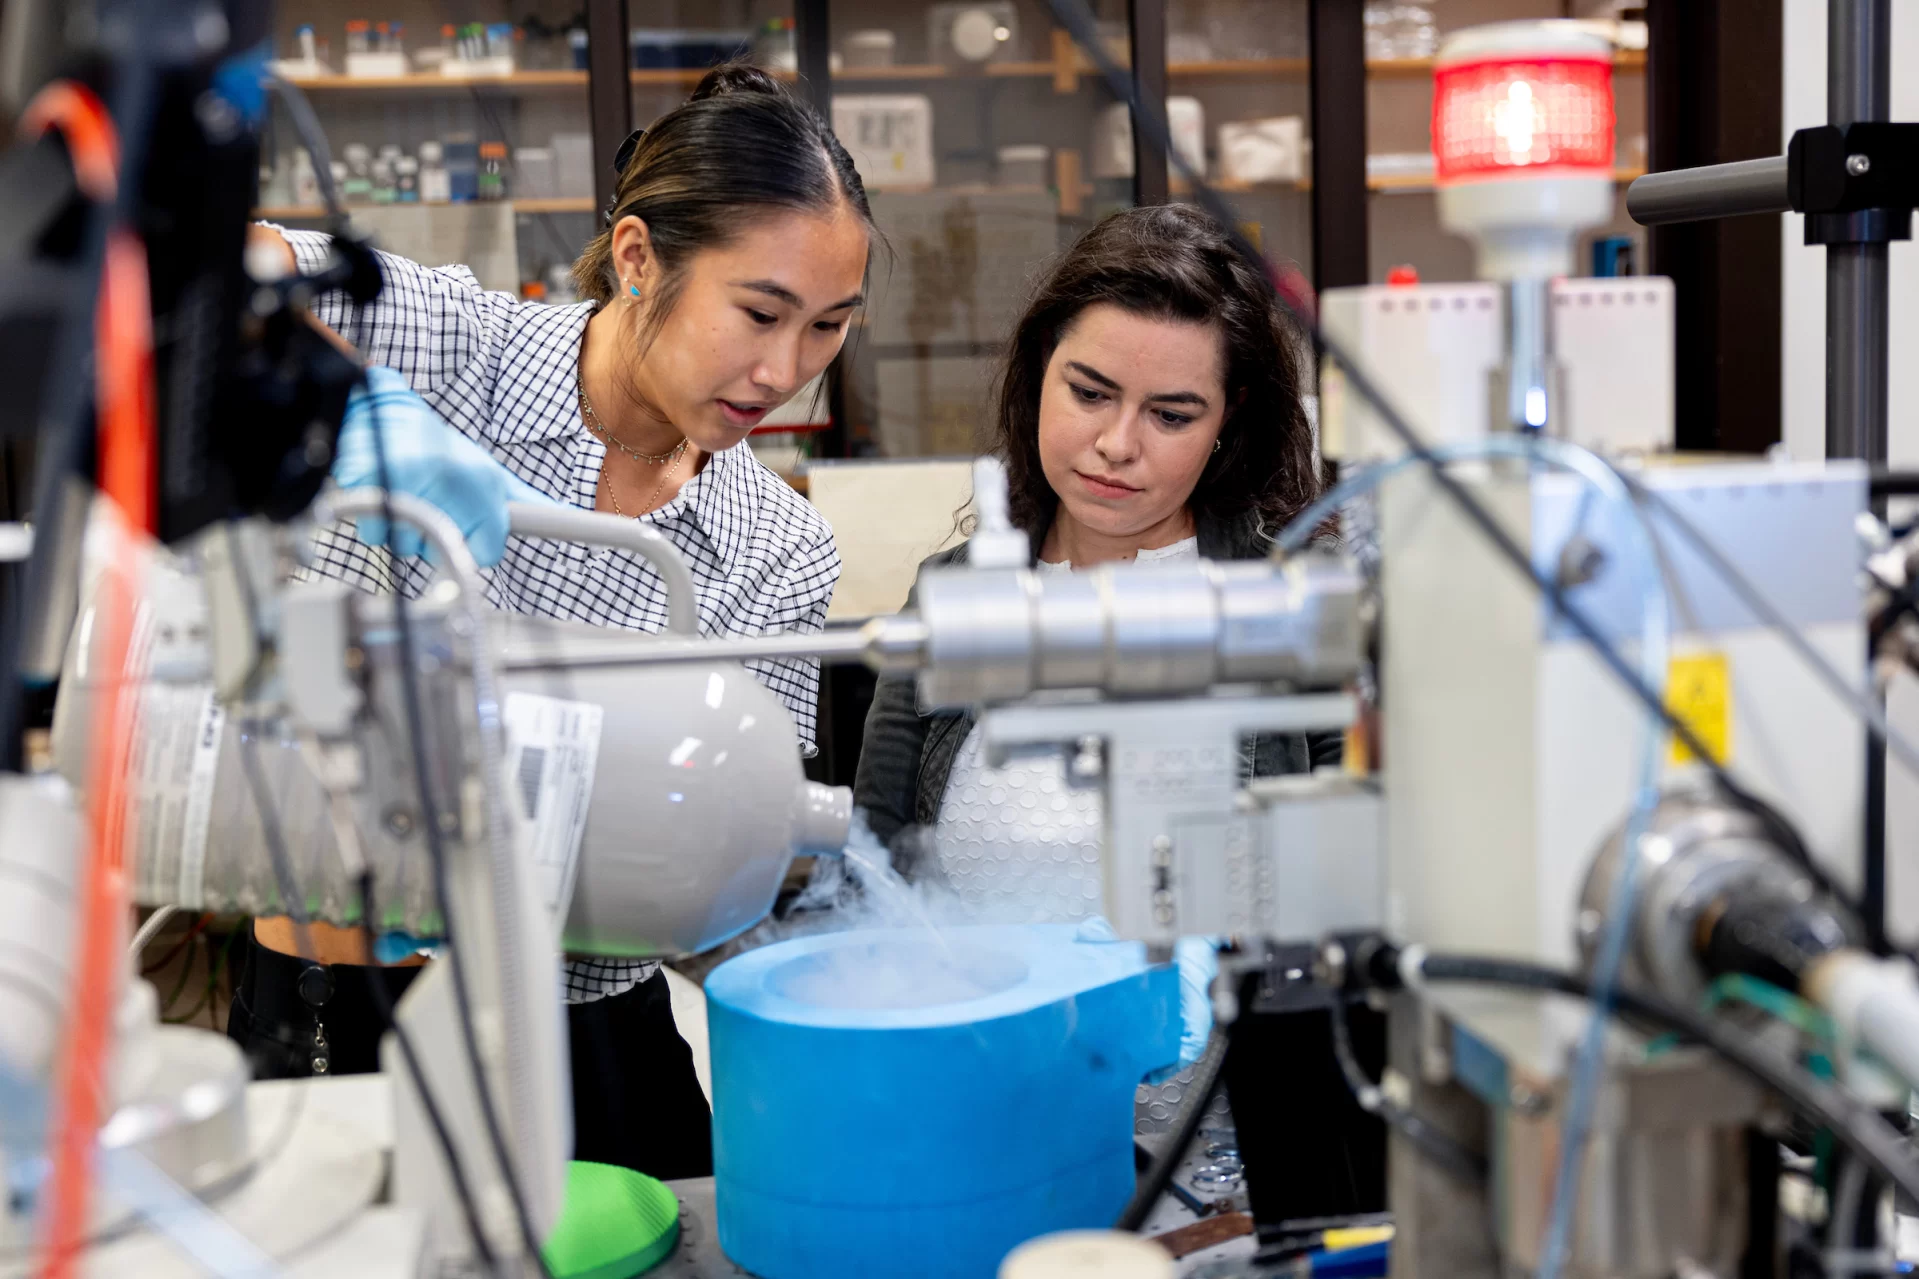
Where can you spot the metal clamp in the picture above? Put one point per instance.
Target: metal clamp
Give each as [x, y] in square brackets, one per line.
[1856, 184]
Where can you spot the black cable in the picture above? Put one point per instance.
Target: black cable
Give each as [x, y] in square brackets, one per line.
[62, 448]
[313, 137]
[383, 1004]
[1777, 826]
[307, 125]
[1208, 1075]
[437, 856]
[263, 801]
[1860, 1128]
[1434, 1145]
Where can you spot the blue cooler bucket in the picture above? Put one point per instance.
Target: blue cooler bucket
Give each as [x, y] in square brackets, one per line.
[887, 1105]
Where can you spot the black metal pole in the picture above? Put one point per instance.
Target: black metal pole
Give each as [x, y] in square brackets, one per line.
[609, 90]
[1859, 87]
[1146, 28]
[813, 41]
[1337, 36]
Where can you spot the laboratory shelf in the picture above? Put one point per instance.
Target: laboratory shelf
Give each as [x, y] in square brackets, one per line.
[1064, 69]
[1424, 181]
[518, 82]
[687, 77]
[1381, 182]
[936, 71]
[1413, 68]
[1293, 68]
[677, 77]
[309, 212]
[554, 204]
[1232, 68]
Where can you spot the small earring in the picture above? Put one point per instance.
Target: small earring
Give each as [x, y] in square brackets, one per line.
[634, 289]
[1215, 446]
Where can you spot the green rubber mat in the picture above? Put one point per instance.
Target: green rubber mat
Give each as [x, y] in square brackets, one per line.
[615, 1223]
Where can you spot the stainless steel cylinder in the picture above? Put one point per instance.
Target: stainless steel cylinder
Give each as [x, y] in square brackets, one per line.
[1137, 631]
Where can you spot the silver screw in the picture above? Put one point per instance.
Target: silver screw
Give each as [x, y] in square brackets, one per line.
[1858, 165]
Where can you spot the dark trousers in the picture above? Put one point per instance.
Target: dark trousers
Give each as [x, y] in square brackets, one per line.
[636, 1099]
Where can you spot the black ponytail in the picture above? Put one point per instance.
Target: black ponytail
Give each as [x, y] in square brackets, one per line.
[741, 147]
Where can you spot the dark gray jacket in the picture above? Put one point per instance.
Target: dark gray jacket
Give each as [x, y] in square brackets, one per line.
[908, 753]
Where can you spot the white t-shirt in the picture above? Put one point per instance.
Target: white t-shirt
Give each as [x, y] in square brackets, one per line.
[1021, 843]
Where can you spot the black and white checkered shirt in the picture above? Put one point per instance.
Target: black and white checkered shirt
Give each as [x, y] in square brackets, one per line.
[504, 372]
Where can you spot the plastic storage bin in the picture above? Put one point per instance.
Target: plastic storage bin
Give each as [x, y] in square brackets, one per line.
[887, 1105]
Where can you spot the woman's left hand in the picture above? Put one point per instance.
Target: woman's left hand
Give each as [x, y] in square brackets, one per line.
[429, 460]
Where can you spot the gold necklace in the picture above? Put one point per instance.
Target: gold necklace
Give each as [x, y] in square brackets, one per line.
[598, 428]
[678, 451]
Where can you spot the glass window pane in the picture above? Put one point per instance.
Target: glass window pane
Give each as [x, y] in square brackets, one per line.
[455, 138]
[986, 144]
[1237, 77]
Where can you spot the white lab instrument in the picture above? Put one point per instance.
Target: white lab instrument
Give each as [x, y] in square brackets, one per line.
[1435, 350]
[889, 136]
[1260, 151]
[1113, 137]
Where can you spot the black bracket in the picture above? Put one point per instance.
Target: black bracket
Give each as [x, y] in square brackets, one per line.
[1857, 184]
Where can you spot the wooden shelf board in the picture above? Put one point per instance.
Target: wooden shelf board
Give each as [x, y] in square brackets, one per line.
[309, 212]
[1392, 182]
[518, 82]
[938, 71]
[903, 71]
[1395, 68]
[670, 77]
[1225, 67]
[687, 77]
[1424, 182]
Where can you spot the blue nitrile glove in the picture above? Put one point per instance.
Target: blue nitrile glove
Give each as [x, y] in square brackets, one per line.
[429, 460]
[1197, 961]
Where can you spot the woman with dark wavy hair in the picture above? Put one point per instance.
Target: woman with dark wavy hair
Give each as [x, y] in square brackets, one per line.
[1148, 409]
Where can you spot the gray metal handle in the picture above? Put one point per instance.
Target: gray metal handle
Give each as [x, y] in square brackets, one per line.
[591, 528]
[1711, 191]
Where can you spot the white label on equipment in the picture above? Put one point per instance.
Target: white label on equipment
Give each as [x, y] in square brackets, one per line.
[176, 759]
[552, 746]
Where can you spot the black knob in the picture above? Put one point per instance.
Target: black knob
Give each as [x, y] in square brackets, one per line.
[316, 985]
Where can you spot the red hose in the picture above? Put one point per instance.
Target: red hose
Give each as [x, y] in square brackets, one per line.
[123, 323]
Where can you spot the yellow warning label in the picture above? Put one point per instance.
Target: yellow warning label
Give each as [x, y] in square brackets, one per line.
[1699, 693]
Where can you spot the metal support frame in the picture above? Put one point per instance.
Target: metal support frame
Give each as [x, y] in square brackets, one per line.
[1858, 88]
[1337, 39]
[813, 42]
[1146, 29]
[1714, 93]
[609, 91]
[1829, 176]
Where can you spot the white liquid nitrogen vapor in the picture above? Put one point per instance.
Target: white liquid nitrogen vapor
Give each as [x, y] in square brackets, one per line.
[895, 973]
